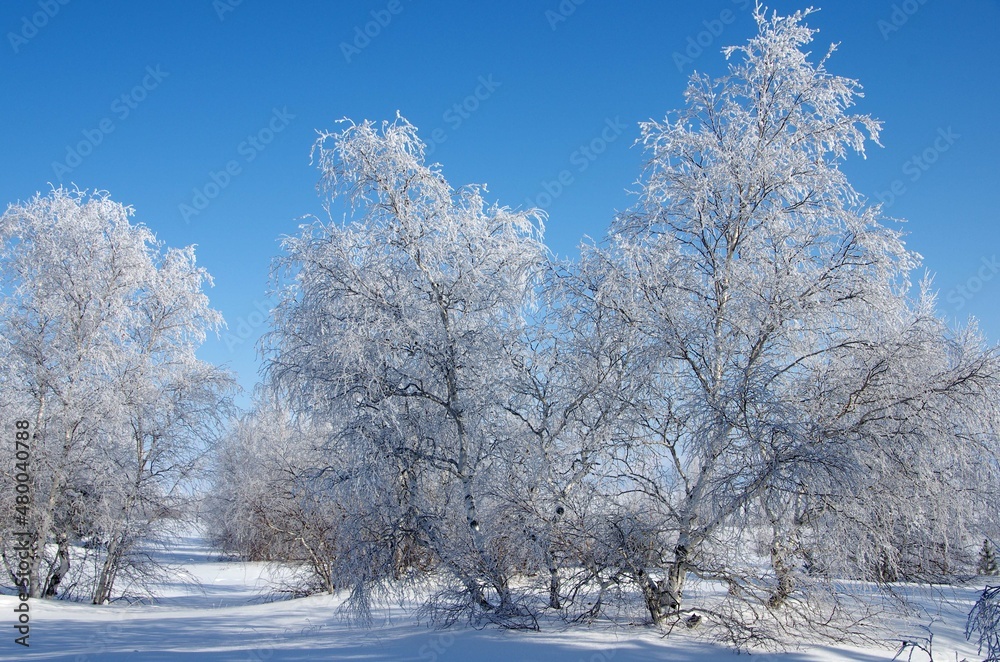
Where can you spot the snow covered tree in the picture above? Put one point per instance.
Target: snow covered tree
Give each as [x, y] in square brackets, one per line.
[988, 560]
[100, 327]
[567, 394]
[396, 328]
[917, 436]
[275, 497]
[247, 477]
[783, 351]
[741, 384]
[984, 623]
[745, 249]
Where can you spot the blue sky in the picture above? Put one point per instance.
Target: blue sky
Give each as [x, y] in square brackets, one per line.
[201, 114]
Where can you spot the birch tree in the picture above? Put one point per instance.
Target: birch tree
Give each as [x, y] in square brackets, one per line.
[400, 320]
[101, 325]
[762, 282]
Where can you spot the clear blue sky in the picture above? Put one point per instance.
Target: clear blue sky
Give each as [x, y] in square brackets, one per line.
[148, 99]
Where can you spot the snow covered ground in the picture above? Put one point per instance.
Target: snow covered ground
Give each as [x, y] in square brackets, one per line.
[224, 619]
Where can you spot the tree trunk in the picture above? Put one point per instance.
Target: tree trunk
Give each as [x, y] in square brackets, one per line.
[651, 594]
[37, 579]
[109, 568]
[784, 581]
[40, 534]
[673, 592]
[62, 567]
[554, 600]
[550, 562]
[784, 542]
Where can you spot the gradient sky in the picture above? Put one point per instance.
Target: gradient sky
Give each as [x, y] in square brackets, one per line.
[154, 101]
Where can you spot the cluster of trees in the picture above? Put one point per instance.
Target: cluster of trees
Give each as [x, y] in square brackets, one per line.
[739, 384]
[98, 330]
